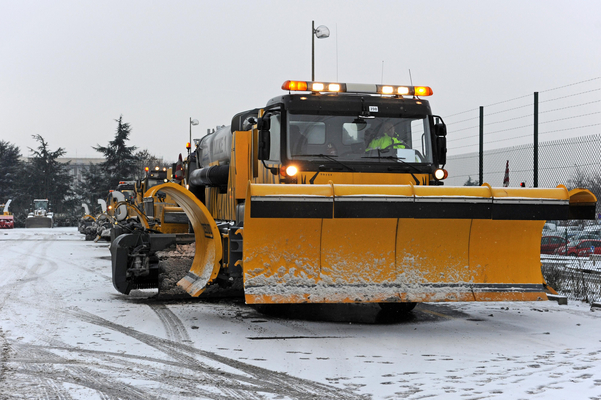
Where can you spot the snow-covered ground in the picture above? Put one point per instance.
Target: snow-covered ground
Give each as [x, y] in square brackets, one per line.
[65, 333]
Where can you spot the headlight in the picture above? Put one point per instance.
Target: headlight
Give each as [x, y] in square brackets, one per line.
[441, 174]
[291, 170]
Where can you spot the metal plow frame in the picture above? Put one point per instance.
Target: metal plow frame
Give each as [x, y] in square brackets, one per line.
[403, 243]
[208, 249]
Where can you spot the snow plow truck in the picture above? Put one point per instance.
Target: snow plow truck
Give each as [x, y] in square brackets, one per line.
[333, 193]
[40, 215]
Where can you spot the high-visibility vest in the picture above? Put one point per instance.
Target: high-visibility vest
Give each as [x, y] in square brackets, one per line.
[384, 142]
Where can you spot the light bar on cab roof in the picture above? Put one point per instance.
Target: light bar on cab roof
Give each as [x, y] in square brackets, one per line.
[335, 87]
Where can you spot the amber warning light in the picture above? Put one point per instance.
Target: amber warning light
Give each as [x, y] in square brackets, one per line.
[335, 87]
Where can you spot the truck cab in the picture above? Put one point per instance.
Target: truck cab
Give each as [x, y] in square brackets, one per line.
[323, 136]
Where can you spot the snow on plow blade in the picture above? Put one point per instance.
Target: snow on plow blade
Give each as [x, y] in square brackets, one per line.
[208, 249]
[38, 222]
[356, 243]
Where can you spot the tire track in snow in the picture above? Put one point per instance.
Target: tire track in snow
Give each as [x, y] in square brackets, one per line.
[123, 366]
[4, 357]
[64, 262]
[175, 329]
[36, 266]
[244, 381]
[25, 261]
[38, 269]
[37, 383]
[53, 372]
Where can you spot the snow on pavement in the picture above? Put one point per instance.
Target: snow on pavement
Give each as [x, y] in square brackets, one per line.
[65, 333]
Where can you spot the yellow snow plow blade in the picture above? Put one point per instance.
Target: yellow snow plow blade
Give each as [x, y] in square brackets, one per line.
[208, 249]
[403, 243]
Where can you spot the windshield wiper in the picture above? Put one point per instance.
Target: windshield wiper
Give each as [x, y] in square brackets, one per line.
[328, 157]
[400, 161]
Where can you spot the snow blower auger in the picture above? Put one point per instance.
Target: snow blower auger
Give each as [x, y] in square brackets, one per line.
[147, 235]
[136, 255]
[335, 195]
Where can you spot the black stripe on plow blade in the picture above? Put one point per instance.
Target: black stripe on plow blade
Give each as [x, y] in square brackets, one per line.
[408, 207]
[297, 207]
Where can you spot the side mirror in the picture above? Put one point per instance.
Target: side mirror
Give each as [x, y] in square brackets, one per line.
[440, 132]
[441, 149]
[264, 124]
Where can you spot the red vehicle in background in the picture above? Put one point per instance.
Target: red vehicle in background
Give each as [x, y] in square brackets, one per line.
[7, 221]
[580, 248]
[548, 244]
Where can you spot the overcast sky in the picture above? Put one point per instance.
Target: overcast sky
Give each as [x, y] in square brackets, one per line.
[68, 69]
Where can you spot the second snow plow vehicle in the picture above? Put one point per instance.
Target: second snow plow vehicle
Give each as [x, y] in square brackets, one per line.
[40, 215]
[334, 195]
[155, 214]
[86, 225]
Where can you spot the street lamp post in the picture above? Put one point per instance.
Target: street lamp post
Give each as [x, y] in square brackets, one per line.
[321, 32]
[192, 122]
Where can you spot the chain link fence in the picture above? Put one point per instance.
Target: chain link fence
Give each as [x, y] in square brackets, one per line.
[561, 162]
[570, 250]
[574, 162]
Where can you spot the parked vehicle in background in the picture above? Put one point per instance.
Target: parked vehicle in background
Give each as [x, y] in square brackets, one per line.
[584, 235]
[593, 229]
[561, 230]
[549, 244]
[581, 248]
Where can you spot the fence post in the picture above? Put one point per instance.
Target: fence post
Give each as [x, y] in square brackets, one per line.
[535, 145]
[481, 147]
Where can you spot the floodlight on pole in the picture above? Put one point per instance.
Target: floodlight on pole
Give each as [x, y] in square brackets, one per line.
[192, 122]
[321, 32]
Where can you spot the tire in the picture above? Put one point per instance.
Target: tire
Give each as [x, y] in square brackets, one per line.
[401, 308]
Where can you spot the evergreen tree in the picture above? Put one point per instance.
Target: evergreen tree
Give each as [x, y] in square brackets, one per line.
[120, 161]
[145, 159]
[46, 178]
[470, 182]
[10, 165]
[92, 187]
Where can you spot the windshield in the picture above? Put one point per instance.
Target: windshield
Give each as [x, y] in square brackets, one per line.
[40, 204]
[357, 139]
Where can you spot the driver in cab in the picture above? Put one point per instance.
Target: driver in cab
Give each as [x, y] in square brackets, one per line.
[386, 139]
